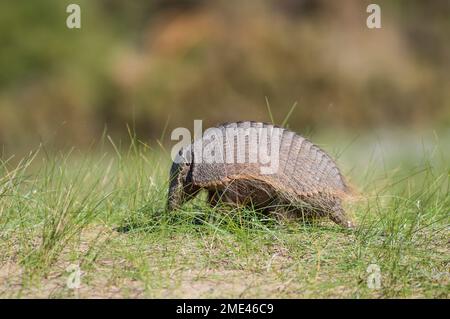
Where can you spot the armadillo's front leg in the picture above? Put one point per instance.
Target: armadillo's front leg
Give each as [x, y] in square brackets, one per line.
[213, 198]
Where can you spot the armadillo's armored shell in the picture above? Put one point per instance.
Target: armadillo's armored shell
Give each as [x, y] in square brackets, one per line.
[303, 168]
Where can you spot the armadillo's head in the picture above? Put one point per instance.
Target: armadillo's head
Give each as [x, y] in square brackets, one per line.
[180, 188]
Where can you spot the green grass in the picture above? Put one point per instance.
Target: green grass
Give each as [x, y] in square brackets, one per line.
[104, 211]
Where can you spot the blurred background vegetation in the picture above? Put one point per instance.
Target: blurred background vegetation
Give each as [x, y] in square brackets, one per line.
[158, 63]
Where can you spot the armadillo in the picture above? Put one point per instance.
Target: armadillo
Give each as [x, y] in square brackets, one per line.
[305, 180]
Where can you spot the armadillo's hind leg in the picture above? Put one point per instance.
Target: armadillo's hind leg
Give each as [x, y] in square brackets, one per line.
[337, 214]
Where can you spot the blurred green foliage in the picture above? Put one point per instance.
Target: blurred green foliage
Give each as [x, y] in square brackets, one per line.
[148, 63]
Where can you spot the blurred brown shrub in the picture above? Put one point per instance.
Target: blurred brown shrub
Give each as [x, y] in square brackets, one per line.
[148, 62]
